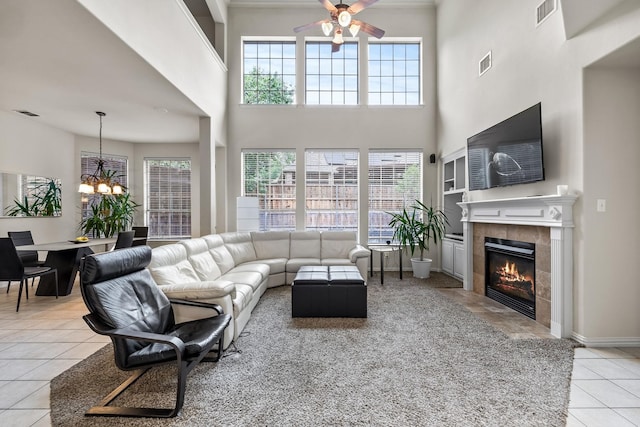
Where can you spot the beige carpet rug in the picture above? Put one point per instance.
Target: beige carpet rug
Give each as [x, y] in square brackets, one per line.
[419, 359]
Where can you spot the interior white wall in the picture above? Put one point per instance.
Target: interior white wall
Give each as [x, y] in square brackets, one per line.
[612, 240]
[27, 146]
[332, 127]
[532, 64]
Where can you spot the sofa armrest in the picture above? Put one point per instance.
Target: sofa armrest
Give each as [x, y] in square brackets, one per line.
[358, 252]
[200, 290]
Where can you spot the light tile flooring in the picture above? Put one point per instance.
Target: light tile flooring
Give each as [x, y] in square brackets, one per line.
[48, 336]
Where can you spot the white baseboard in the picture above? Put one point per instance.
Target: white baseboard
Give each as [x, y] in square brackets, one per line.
[607, 342]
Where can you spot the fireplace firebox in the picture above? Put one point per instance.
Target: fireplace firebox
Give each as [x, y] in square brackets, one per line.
[510, 270]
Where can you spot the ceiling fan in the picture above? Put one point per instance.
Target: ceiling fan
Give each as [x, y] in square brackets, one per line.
[341, 19]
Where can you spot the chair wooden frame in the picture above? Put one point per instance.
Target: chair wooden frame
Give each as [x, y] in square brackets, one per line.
[185, 365]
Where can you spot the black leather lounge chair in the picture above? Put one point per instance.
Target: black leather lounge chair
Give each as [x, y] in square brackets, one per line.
[126, 304]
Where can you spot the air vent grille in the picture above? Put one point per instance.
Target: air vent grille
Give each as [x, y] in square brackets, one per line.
[27, 113]
[545, 9]
[485, 64]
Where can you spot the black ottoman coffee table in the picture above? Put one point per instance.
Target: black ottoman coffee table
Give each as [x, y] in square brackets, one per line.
[328, 291]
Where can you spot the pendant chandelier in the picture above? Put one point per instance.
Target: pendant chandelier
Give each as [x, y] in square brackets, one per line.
[100, 181]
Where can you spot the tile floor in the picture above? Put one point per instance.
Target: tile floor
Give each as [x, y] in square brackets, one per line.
[48, 336]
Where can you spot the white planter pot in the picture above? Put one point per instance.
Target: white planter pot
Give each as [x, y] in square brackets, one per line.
[422, 268]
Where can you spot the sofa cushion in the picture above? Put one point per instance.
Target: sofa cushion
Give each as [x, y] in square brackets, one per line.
[276, 265]
[305, 244]
[249, 278]
[169, 265]
[242, 298]
[294, 264]
[271, 244]
[200, 290]
[337, 244]
[253, 267]
[336, 261]
[219, 252]
[239, 246]
[201, 259]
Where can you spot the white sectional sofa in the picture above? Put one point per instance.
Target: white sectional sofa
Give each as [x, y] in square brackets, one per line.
[235, 269]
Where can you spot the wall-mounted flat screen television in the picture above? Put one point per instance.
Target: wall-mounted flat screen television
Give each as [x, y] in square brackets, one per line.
[508, 153]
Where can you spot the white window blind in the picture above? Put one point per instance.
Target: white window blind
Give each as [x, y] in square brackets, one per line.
[271, 177]
[168, 198]
[395, 182]
[331, 190]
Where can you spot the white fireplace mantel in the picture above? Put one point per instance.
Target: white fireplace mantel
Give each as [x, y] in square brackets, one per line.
[555, 212]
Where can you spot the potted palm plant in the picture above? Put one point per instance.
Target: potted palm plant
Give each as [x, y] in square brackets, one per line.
[416, 229]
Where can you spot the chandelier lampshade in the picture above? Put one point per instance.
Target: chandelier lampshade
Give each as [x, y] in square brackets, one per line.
[100, 181]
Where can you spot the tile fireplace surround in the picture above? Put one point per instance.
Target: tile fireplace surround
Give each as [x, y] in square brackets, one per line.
[546, 221]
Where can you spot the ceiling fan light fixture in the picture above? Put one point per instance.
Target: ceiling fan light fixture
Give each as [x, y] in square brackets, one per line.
[327, 27]
[337, 38]
[344, 18]
[353, 29]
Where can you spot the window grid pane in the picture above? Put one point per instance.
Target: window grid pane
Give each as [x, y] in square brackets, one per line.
[88, 165]
[331, 77]
[331, 190]
[168, 198]
[271, 177]
[395, 182]
[269, 72]
[394, 73]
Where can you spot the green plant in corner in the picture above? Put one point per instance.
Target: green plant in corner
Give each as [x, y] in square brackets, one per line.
[418, 227]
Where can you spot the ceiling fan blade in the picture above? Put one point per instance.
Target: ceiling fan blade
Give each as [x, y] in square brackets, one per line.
[335, 47]
[358, 6]
[310, 25]
[327, 5]
[369, 29]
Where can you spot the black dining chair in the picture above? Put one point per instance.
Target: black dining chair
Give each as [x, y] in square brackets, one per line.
[125, 240]
[140, 235]
[29, 258]
[12, 269]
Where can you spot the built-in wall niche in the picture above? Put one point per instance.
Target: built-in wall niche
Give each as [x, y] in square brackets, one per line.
[26, 195]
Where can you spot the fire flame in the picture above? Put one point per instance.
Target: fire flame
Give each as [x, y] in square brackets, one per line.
[510, 272]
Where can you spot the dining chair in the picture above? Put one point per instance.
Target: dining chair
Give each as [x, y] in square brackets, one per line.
[141, 234]
[12, 269]
[125, 240]
[29, 258]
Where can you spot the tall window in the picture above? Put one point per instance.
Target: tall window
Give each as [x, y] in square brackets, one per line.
[271, 177]
[269, 72]
[88, 165]
[168, 198]
[394, 73]
[331, 190]
[395, 182]
[331, 78]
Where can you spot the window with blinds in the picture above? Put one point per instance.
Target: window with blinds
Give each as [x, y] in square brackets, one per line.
[331, 190]
[395, 182]
[168, 198]
[89, 164]
[270, 176]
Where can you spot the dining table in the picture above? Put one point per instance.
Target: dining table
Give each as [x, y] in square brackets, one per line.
[65, 257]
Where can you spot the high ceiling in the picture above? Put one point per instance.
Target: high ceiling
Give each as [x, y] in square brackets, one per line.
[60, 62]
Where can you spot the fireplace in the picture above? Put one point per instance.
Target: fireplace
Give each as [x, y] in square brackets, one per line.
[510, 268]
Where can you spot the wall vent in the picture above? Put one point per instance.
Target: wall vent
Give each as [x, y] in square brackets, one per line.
[546, 8]
[484, 64]
[27, 113]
